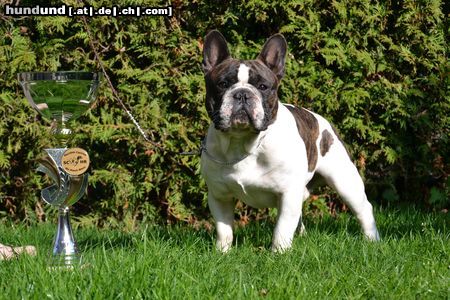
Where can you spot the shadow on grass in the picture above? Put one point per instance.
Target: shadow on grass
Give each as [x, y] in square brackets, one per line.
[89, 239]
[171, 235]
[393, 223]
[402, 221]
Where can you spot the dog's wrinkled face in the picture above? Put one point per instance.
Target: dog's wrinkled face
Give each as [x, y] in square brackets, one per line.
[241, 95]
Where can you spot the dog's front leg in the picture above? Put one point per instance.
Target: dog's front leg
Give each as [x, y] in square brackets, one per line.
[223, 214]
[289, 213]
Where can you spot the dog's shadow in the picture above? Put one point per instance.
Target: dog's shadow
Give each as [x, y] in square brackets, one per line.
[405, 222]
[393, 223]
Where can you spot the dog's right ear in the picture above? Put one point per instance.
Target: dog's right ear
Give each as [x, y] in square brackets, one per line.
[215, 50]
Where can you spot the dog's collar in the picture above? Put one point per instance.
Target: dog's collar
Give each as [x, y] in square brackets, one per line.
[204, 150]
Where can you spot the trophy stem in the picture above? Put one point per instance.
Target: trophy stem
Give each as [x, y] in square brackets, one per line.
[62, 133]
[65, 250]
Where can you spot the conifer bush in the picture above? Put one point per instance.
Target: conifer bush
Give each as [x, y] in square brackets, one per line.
[378, 70]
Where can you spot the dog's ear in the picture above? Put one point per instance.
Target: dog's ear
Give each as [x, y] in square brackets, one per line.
[215, 50]
[273, 54]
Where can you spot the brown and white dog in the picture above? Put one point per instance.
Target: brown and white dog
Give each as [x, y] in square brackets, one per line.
[264, 152]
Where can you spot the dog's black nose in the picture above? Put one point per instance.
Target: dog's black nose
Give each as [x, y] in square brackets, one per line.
[241, 96]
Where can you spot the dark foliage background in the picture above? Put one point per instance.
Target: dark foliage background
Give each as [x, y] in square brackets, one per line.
[378, 70]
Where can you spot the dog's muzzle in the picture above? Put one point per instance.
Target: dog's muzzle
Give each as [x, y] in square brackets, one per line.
[241, 109]
[241, 115]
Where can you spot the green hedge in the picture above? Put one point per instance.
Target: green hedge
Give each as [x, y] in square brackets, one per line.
[379, 70]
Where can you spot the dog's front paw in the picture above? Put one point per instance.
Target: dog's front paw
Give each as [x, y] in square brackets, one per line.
[373, 236]
[281, 245]
[223, 246]
[280, 249]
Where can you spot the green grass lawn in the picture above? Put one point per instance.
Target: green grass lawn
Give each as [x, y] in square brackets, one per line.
[332, 261]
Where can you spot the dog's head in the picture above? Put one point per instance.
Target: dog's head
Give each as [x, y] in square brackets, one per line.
[242, 94]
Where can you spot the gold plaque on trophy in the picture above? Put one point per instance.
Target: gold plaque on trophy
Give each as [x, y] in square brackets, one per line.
[75, 161]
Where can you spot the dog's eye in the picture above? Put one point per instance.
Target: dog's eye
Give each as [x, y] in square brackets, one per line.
[262, 87]
[223, 84]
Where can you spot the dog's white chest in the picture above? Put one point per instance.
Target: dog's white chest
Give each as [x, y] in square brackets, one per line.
[250, 181]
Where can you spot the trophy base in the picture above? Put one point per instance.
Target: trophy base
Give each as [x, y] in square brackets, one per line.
[65, 262]
[65, 251]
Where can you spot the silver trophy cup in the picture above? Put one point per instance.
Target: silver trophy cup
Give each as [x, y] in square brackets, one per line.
[62, 97]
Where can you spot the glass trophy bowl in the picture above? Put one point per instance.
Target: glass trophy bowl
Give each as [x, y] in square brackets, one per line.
[61, 97]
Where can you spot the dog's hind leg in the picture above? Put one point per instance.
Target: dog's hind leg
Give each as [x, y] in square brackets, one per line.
[341, 174]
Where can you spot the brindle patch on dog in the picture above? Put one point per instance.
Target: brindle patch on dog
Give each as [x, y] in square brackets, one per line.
[308, 128]
[326, 142]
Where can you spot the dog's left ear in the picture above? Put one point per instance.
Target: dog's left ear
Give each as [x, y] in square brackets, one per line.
[273, 54]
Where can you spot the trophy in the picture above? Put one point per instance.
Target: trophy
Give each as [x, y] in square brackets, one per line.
[62, 97]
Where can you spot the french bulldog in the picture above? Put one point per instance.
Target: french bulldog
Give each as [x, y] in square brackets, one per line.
[264, 152]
